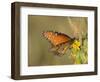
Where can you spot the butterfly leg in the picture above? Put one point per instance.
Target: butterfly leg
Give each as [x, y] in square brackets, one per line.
[64, 50]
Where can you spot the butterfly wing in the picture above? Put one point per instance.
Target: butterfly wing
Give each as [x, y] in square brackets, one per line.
[56, 38]
[60, 42]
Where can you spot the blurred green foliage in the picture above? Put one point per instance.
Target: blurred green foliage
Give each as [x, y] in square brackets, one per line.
[79, 54]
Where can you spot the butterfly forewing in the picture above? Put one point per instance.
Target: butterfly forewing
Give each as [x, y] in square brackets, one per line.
[56, 38]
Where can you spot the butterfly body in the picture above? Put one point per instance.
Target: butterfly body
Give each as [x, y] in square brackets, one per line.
[60, 42]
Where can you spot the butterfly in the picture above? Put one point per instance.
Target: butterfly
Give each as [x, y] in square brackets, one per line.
[60, 42]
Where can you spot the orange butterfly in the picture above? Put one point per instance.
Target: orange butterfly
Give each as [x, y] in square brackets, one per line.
[60, 42]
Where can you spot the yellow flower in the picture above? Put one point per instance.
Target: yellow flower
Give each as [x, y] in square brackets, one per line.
[76, 45]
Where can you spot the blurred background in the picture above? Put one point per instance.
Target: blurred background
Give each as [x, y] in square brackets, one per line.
[39, 48]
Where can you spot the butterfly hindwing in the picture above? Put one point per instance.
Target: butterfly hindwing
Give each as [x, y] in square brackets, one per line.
[61, 49]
